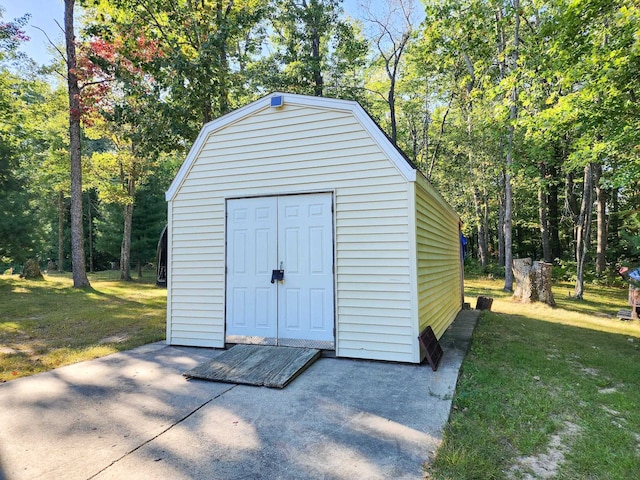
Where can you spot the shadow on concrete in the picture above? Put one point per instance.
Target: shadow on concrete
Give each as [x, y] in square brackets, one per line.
[133, 415]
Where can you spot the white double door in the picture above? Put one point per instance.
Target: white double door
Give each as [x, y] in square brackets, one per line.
[293, 233]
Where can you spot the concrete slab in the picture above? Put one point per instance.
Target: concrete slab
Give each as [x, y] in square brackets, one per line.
[133, 415]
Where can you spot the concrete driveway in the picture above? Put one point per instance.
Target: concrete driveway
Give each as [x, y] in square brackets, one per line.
[133, 415]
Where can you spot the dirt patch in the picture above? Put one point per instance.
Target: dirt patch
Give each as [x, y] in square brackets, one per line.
[27, 350]
[610, 411]
[545, 465]
[8, 350]
[114, 339]
[636, 437]
[608, 390]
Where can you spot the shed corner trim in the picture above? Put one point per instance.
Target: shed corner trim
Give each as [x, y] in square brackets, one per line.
[403, 166]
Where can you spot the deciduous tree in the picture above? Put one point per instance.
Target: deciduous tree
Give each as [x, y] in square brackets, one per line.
[78, 260]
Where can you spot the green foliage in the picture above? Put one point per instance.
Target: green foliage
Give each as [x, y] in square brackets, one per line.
[153, 72]
[109, 231]
[629, 241]
[11, 36]
[149, 218]
[198, 55]
[23, 227]
[474, 269]
[315, 51]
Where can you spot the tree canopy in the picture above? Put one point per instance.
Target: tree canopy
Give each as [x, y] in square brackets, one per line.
[524, 114]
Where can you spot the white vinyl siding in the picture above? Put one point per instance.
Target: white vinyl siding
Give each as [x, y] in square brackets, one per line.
[298, 150]
[438, 259]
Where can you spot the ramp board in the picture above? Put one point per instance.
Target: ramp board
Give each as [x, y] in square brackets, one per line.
[430, 347]
[626, 315]
[260, 365]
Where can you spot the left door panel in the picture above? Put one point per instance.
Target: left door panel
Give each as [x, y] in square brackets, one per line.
[252, 305]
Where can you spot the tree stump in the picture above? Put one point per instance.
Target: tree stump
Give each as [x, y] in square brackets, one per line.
[533, 281]
[521, 270]
[634, 301]
[484, 303]
[31, 270]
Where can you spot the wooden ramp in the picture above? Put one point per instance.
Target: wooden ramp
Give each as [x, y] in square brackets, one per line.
[258, 365]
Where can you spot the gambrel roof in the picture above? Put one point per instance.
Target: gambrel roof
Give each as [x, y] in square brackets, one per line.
[399, 160]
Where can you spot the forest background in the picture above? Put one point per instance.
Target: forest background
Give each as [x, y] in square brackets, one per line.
[524, 114]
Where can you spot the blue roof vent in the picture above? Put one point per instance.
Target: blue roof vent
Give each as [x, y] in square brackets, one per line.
[277, 102]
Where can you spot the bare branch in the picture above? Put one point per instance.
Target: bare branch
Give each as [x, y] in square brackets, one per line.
[97, 82]
[60, 73]
[375, 92]
[64, 58]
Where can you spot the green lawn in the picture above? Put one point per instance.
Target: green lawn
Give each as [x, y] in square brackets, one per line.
[551, 393]
[46, 324]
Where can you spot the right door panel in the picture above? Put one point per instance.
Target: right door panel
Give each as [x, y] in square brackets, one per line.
[305, 248]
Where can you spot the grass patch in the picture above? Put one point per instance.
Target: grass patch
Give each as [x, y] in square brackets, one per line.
[546, 392]
[48, 324]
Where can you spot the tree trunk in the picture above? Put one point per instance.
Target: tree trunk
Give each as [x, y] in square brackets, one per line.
[571, 197]
[543, 208]
[508, 231]
[485, 223]
[571, 203]
[391, 100]
[501, 223]
[139, 267]
[125, 249]
[614, 216]
[501, 59]
[90, 225]
[508, 185]
[583, 229]
[223, 60]
[60, 231]
[80, 279]
[318, 83]
[392, 58]
[601, 212]
[424, 152]
[436, 149]
[554, 214]
[480, 226]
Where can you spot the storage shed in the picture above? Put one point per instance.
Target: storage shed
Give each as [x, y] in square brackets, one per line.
[295, 221]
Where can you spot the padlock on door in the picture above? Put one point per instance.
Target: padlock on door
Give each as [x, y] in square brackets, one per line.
[277, 275]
